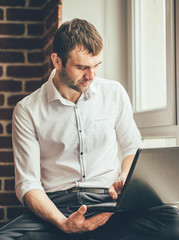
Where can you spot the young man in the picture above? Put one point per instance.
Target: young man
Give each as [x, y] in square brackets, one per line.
[65, 141]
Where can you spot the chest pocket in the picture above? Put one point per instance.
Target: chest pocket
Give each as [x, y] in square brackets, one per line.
[99, 131]
[103, 122]
[100, 121]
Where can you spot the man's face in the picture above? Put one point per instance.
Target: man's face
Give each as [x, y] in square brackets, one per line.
[80, 70]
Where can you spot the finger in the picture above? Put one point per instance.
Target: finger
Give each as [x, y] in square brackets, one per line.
[99, 218]
[112, 192]
[99, 221]
[119, 186]
[105, 218]
[81, 211]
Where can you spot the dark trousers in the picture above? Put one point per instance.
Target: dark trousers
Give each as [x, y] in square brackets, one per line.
[157, 223]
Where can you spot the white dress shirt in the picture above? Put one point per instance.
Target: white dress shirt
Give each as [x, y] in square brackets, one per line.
[58, 144]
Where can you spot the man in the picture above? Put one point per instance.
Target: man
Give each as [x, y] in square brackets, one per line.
[65, 141]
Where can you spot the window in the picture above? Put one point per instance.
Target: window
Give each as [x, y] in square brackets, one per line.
[152, 60]
[149, 79]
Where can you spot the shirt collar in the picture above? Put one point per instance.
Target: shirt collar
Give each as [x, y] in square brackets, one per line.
[53, 94]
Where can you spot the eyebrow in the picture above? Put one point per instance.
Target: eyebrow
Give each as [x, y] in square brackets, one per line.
[85, 66]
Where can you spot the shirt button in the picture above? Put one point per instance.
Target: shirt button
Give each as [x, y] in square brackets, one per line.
[81, 153]
[80, 131]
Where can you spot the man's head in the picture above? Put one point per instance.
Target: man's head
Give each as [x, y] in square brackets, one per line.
[76, 33]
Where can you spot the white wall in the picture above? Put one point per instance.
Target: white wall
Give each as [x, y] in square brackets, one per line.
[109, 17]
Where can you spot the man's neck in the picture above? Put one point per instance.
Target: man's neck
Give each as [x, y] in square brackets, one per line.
[65, 91]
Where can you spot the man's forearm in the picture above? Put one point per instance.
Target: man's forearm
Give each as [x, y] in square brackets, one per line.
[39, 203]
[126, 164]
[43, 207]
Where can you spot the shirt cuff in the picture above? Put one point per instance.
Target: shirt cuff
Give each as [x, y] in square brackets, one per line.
[23, 188]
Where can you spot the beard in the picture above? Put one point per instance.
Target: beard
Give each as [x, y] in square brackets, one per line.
[79, 86]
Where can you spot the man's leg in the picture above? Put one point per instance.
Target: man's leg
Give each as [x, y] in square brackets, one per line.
[29, 224]
[159, 223]
[24, 223]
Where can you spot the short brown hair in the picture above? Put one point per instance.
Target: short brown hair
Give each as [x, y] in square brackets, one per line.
[76, 33]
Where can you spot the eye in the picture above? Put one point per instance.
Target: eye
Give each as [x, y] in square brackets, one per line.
[82, 67]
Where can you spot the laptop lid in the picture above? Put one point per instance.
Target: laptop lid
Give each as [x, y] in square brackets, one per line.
[152, 180]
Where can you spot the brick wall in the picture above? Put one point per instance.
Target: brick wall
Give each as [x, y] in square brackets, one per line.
[26, 32]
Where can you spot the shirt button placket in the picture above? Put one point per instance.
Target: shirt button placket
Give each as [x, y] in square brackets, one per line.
[80, 133]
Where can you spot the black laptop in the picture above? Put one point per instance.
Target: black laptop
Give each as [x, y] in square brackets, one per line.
[152, 180]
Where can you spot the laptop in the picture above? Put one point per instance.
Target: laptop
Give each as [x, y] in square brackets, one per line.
[153, 180]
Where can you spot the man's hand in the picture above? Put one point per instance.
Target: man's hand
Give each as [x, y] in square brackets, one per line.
[76, 222]
[116, 187]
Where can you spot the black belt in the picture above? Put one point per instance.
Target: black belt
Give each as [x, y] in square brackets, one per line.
[90, 190]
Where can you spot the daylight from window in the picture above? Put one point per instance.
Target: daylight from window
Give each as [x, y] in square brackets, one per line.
[149, 56]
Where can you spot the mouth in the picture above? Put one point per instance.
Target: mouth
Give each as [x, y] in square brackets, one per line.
[85, 83]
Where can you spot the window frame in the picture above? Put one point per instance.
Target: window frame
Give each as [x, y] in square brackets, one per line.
[160, 122]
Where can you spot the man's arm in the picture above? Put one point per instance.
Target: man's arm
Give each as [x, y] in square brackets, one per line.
[117, 186]
[42, 206]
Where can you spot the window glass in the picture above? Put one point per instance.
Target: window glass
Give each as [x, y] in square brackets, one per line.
[149, 83]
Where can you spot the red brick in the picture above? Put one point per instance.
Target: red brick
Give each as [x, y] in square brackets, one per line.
[48, 51]
[49, 6]
[38, 3]
[1, 71]
[49, 35]
[5, 142]
[6, 171]
[31, 86]
[35, 29]
[35, 57]
[52, 18]
[21, 43]
[11, 29]
[6, 113]
[9, 57]
[10, 3]
[1, 128]
[2, 213]
[9, 128]
[13, 212]
[9, 184]
[8, 199]
[25, 14]
[10, 86]
[6, 156]
[12, 100]
[25, 71]
[1, 14]
[1, 99]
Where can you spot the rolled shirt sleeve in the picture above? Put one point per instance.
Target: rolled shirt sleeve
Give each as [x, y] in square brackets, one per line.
[26, 153]
[127, 132]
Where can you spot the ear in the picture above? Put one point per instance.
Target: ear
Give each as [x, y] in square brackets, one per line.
[56, 61]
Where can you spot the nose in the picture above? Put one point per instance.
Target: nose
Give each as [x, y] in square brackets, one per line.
[90, 73]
